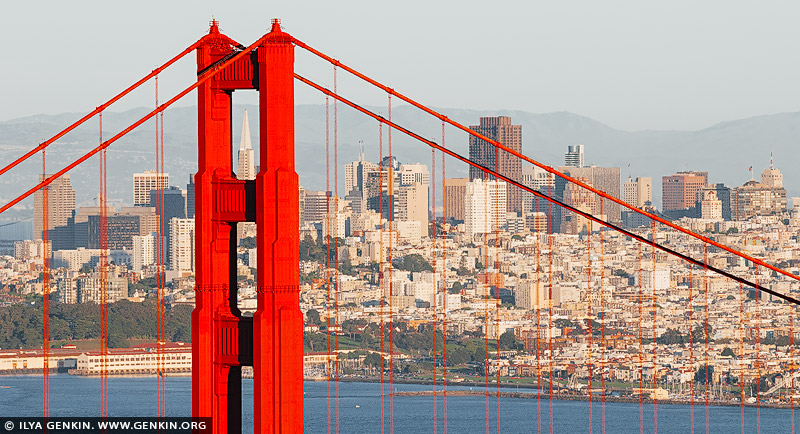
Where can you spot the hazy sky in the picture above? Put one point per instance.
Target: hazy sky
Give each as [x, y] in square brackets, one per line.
[630, 64]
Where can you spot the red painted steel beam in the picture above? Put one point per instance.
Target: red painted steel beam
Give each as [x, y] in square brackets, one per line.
[539, 194]
[205, 77]
[541, 165]
[99, 109]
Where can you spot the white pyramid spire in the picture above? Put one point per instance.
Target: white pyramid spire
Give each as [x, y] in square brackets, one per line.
[246, 168]
[245, 142]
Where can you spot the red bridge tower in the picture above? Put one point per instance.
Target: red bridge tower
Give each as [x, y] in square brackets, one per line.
[222, 340]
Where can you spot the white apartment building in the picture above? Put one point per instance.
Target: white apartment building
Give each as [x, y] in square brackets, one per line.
[484, 207]
[144, 252]
[181, 253]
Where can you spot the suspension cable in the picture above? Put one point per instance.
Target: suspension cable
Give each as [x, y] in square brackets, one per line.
[100, 108]
[546, 197]
[536, 163]
[200, 80]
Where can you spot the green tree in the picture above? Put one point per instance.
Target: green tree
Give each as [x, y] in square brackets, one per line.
[508, 341]
[413, 262]
[373, 360]
[456, 288]
[728, 352]
[700, 375]
[313, 317]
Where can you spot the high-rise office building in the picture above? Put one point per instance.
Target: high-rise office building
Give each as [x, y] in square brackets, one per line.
[316, 206]
[60, 205]
[681, 192]
[605, 179]
[485, 205]
[454, 191]
[355, 173]
[174, 203]
[637, 192]
[144, 182]
[574, 156]
[190, 197]
[246, 168]
[498, 128]
[119, 231]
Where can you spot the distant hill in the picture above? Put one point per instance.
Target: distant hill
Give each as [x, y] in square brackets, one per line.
[725, 150]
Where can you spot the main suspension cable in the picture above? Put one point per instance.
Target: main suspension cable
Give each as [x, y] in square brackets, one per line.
[552, 200]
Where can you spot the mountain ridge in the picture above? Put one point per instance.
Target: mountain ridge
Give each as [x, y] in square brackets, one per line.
[725, 149]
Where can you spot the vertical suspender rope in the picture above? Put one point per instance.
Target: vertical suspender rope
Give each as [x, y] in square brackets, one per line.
[444, 284]
[45, 292]
[589, 320]
[538, 318]
[487, 289]
[328, 300]
[336, 224]
[705, 328]
[641, 346]
[497, 290]
[103, 281]
[380, 268]
[758, 356]
[433, 260]
[791, 363]
[741, 355]
[691, 349]
[550, 311]
[161, 254]
[655, 347]
[602, 327]
[391, 279]
[163, 280]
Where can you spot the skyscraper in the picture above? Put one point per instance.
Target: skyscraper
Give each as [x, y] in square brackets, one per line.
[60, 205]
[246, 168]
[498, 128]
[681, 192]
[574, 156]
[605, 179]
[144, 182]
[355, 173]
[190, 197]
[174, 203]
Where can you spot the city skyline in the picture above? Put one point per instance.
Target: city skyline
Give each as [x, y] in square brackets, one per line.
[593, 297]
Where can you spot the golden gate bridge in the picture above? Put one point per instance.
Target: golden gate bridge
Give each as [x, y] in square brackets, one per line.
[271, 341]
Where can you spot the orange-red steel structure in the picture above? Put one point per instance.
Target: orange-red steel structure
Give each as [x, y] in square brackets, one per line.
[223, 341]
